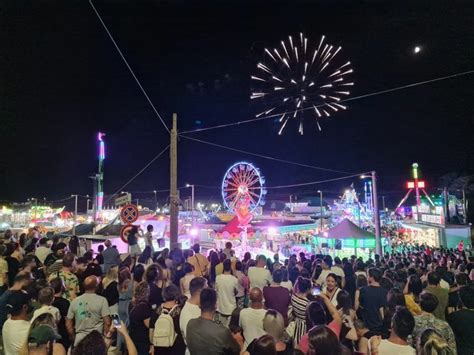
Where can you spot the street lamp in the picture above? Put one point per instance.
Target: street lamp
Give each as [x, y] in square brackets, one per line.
[192, 202]
[156, 201]
[321, 208]
[75, 215]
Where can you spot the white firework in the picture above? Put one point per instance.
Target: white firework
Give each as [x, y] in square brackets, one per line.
[297, 78]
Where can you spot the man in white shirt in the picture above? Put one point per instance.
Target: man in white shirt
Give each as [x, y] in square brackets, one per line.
[191, 308]
[42, 251]
[226, 288]
[337, 269]
[251, 319]
[326, 265]
[403, 324]
[16, 328]
[258, 275]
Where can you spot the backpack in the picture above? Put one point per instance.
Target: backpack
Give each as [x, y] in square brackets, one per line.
[164, 334]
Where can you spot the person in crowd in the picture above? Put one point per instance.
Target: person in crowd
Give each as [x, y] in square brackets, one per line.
[274, 325]
[16, 328]
[326, 270]
[199, 262]
[462, 321]
[54, 261]
[349, 278]
[42, 251]
[441, 294]
[299, 302]
[148, 237]
[220, 265]
[110, 289]
[191, 308]
[395, 298]
[74, 245]
[133, 247]
[204, 336]
[3, 270]
[332, 288]
[363, 335]
[412, 291]
[243, 282]
[373, 299]
[140, 318]
[165, 275]
[155, 283]
[228, 250]
[226, 288]
[70, 280]
[316, 316]
[213, 262]
[111, 256]
[285, 280]
[430, 342]
[171, 306]
[13, 259]
[258, 275]
[145, 257]
[46, 299]
[402, 327]
[87, 312]
[462, 280]
[138, 274]
[361, 281]
[42, 340]
[338, 270]
[63, 305]
[322, 340]
[95, 343]
[251, 319]
[186, 279]
[21, 282]
[277, 297]
[428, 304]
[360, 269]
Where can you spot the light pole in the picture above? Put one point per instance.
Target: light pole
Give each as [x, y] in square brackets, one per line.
[75, 215]
[378, 242]
[321, 208]
[192, 202]
[88, 200]
[156, 201]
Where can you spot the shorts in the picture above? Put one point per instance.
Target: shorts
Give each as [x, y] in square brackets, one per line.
[134, 250]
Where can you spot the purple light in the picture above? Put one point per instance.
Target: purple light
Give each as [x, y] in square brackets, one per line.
[100, 136]
[272, 231]
[194, 232]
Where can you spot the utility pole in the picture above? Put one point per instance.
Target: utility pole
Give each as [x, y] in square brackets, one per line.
[156, 201]
[75, 215]
[378, 242]
[192, 202]
[174, 184]
[383, 202]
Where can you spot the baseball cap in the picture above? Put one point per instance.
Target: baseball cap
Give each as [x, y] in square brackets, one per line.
[42, 334]
[16, 301]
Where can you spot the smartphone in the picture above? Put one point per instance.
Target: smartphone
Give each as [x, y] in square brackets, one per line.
[316, 291]
[116, 320]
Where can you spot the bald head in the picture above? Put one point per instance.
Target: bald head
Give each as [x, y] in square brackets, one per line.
[90, 283]
[256, 295]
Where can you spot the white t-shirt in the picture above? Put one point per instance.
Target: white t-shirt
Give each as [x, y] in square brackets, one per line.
[47, 309]
[14, 335]
[189, 311]
[388, 348]
[259, 277]
[322, 277]
[338, 271]
[41, 253]
[225, 287]
[251, 321]
[444, 284]
[287, 284]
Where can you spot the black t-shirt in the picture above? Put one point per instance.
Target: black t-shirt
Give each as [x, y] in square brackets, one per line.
[288, 350]
[132, 239]
[137, 329]
[372, 298]
[155, 297]
[461, 322]
[111, 293]
[63, 305]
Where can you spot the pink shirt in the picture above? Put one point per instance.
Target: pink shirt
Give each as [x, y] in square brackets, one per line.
[304, 341]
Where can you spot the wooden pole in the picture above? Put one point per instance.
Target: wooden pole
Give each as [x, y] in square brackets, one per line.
[174, 185]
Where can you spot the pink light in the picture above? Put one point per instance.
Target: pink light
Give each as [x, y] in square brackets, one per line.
[100, 135]
[272, 231]
[194, 232]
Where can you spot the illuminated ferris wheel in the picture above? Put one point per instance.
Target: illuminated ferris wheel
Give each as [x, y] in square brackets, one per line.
[243, 180]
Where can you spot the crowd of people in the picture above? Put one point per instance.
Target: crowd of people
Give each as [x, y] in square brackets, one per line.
[59, 298]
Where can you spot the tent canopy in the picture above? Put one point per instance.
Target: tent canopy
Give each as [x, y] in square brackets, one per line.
[346, 229]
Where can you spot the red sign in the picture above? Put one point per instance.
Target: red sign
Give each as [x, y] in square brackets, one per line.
[124, 232]
[129, 213]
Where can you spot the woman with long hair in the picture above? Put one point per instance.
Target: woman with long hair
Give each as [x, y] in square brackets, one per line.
[412, 291]
[299, 302]
[74, 245]
[274, 325]
[186, 279]
[323, 341]
[361, 281]
[138, 272]
[214, 261]
[125, 290]
[145, 257]
[332, 288]
[430, 342]
[110, 289]
[139, 316]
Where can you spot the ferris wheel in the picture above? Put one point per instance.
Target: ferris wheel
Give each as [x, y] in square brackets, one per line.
[243, 180]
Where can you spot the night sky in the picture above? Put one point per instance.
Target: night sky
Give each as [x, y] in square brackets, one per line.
[62, 81]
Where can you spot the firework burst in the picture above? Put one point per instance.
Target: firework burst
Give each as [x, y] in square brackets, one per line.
[297, 79]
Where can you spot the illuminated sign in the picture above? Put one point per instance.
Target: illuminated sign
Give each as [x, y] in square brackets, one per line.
[413, 184]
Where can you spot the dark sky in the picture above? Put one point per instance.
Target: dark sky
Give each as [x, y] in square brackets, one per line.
[62, 81]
